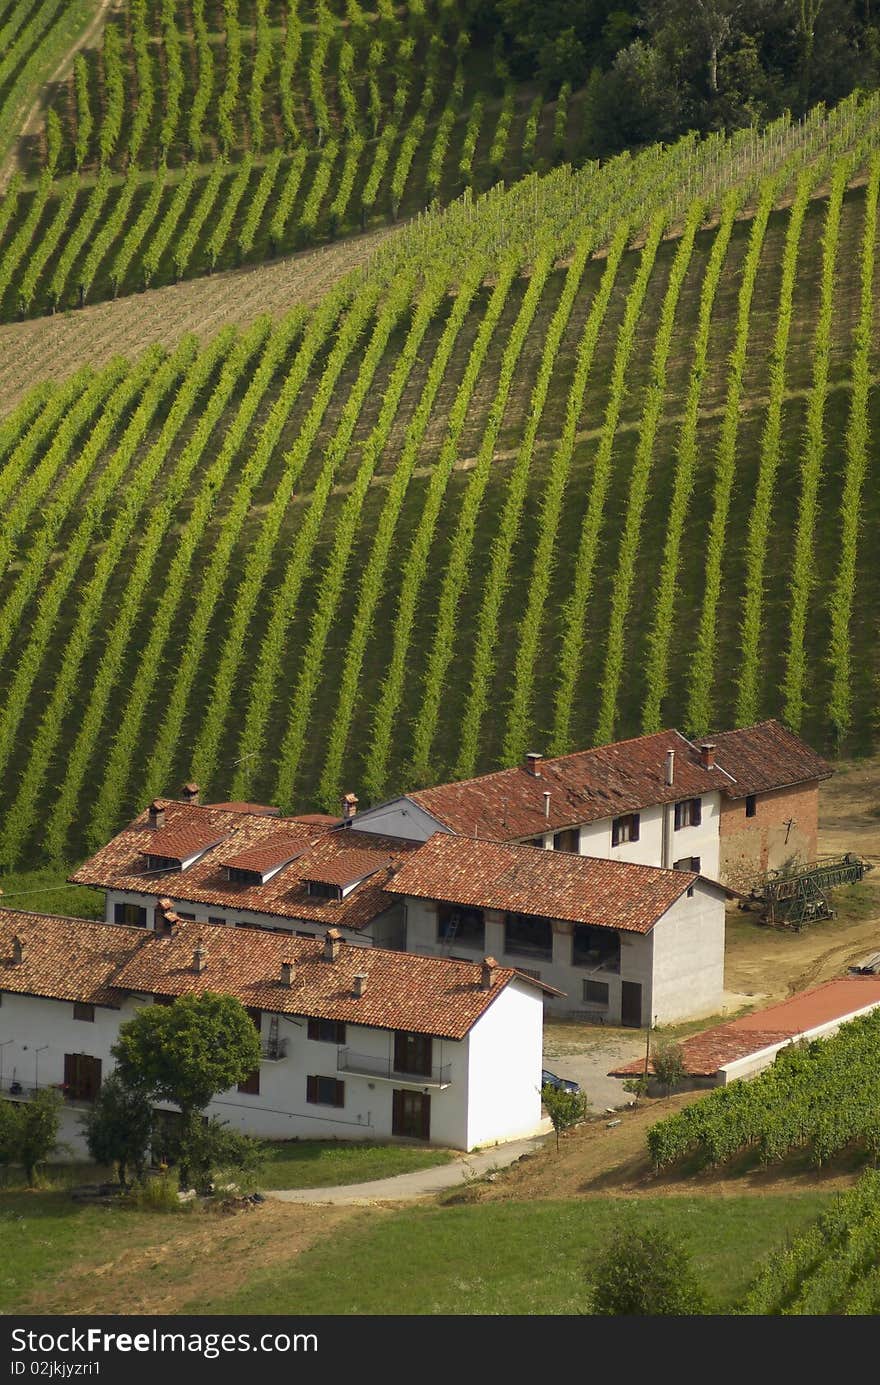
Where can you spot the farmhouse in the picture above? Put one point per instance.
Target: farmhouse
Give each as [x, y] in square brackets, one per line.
[355, 1045]
[627, 944]
[736, 804]
[748, 1045]
[229, 864]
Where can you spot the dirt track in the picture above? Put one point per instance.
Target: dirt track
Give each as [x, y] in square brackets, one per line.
[56, 346]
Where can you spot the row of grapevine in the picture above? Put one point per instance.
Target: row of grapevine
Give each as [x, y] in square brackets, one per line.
[811, 462]
[244, 605]
[232, 358]
[822, 1095]
[857, 451]
[702, 667]
[462, 540]
[657, 663]
[416, 562]
[574, 613]
[116, 781]
[747, 705]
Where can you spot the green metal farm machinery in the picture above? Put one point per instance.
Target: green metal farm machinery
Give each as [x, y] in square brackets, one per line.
[795, 898]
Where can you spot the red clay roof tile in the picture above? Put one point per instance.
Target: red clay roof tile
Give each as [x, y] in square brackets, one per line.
[65, 959]
[549, 884]
[766, 756]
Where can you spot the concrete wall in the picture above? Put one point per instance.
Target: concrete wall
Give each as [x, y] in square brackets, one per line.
[784, 831]
[688, 958]
[659, 844]
[386, 930]
[680, 965]
[506, 1104]
[399, 818]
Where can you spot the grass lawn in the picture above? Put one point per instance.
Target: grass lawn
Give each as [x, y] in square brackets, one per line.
[509, 1258]
[324, 1163]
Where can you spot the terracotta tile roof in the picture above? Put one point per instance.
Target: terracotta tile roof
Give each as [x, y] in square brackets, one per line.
[766, 756]
[276, 851]
[426, 995]
[707, 1052]
[181, 842]
[550, 884]
[237, 807]
[318, 819]
[607, 781]
[65, 959]
[120, 866]
[346, 867]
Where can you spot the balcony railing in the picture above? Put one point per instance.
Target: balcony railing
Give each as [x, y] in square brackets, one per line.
[274, 1050]
[14, 1089]
[368, 1065]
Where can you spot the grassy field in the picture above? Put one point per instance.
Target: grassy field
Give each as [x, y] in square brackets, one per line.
[497, 1258]
[318, 1164]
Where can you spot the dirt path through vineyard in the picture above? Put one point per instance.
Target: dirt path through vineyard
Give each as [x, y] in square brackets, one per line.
[56, 346]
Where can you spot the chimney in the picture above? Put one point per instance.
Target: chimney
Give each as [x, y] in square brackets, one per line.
[288, 972]
[707, 755]
[331, 945]
[533, 763]
[360, 984]
[488, 973]
[190, 794]
[19, 950]
[200, 956]
[547, 804]
[349, 807]
[157, 815]
[670, 766]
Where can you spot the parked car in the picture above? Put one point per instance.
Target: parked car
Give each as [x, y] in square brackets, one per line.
[562, 1084]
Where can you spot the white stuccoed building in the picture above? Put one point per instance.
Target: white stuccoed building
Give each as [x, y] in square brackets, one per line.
[621, 943]
[356, 1044]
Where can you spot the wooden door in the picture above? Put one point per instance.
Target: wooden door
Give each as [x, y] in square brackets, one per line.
[82, 1076]
[411, 1115]
[412, 1053]
[631, 1004]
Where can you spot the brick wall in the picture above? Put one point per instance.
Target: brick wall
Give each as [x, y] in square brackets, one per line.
[751, 846]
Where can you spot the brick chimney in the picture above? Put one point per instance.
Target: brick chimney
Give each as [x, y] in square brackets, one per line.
[349, 807]
[360, 984]
[707, 755]
[288, 972]
[19, 950]
[532, 764]
[488, 973]
[200, 956]
[670, 766]
[190, 794]
[331, 945]
[156, 814]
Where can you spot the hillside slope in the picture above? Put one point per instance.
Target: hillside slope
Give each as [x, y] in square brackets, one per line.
[416, 532]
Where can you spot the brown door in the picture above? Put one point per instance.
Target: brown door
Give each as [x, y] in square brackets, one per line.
[82, 1076]
[412, 1053]
[631, 1004]
[411, 1115]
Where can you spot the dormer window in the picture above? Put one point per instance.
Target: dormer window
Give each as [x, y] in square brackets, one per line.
[322, 889]
[236, 875]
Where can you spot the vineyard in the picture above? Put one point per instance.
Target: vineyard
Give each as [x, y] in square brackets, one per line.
[224, 132]
[832, 1267]
[560, 463]
[822, 1096]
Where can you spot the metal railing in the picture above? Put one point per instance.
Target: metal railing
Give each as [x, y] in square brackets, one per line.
[274, 1050]
[369, 1065]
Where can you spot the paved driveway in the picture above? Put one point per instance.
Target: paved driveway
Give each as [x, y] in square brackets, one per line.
[586, 1060]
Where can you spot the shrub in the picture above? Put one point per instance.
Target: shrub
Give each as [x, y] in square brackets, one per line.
[645, 1273]
[118, 1128]
[669, 1065]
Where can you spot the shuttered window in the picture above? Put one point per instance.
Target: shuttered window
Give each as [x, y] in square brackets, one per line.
[325, 1091]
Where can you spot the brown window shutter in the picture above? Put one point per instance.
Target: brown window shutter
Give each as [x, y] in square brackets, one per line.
[634, 835]
[340, 1093]
[312, 1089]
[697, 816]
[615, 832]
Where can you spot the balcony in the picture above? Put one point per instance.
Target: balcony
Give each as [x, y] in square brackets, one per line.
[11, 1089]
[383, 1070]
[274, 1050]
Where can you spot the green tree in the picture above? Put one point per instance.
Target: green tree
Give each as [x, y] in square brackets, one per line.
[119, 1126]
[214, 1147]
[29, 1130]
[185, 1054]
[565, 1109]
[645, 1272]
